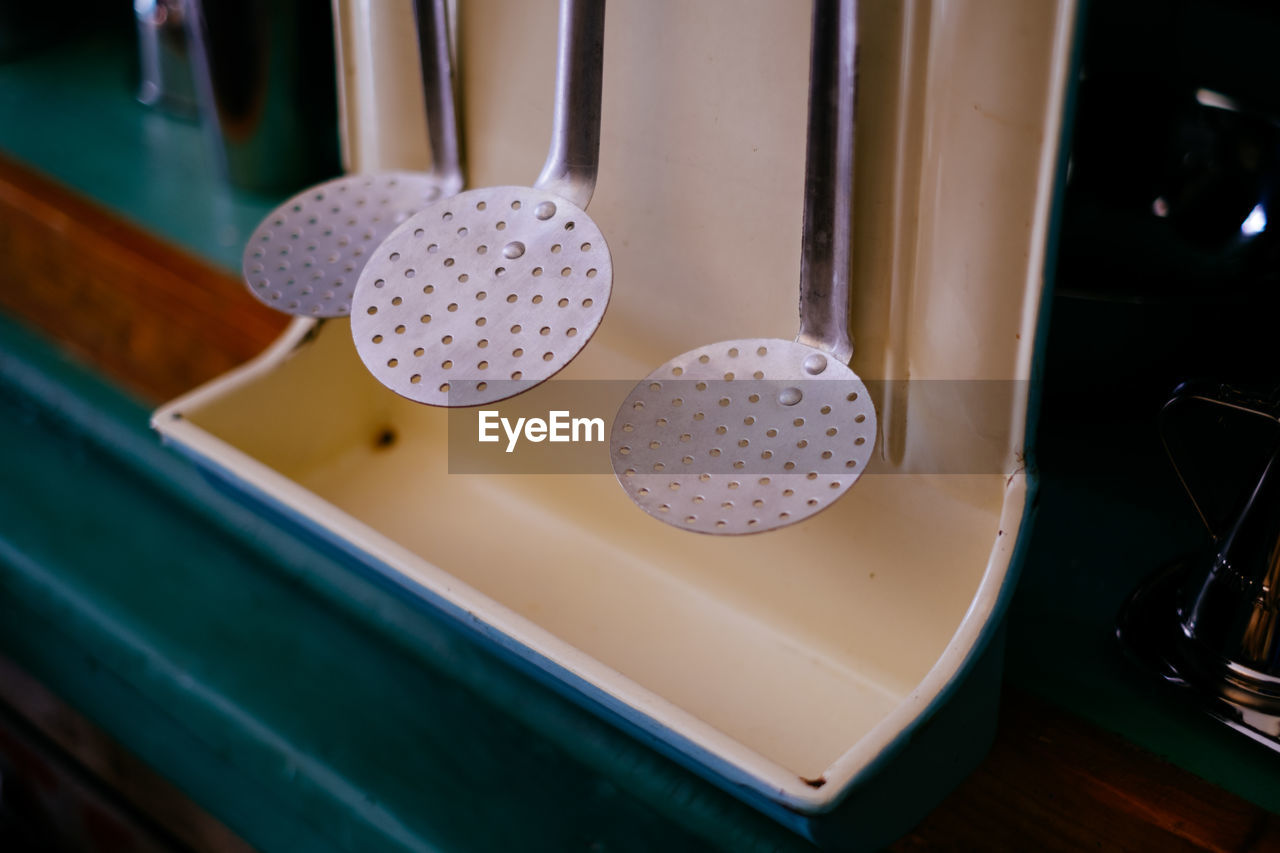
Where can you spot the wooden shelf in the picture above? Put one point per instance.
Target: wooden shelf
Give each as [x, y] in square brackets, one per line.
[152, 317]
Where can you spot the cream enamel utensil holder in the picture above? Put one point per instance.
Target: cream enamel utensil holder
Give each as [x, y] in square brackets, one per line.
[797, 669]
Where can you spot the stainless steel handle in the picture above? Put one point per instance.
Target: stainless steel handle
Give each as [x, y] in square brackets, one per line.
[828, 180]
[435, 52]
[572, 161]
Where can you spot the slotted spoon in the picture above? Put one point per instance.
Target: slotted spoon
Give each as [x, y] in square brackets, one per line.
[482, 296]
[307, 254]
[754, 434]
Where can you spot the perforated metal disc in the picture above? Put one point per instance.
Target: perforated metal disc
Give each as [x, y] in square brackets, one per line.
[307, 254]
[481, 296]
[743, 436]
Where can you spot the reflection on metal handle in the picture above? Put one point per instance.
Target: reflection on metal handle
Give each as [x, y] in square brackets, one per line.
[570, 170]
[435, 52]
[828, 180]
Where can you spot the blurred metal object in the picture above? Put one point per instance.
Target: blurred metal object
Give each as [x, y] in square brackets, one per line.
[1173, 185]
[307, 254]
[164, 62]
[265, 81]
[440, 94]
[1213, 625]
[383, 127]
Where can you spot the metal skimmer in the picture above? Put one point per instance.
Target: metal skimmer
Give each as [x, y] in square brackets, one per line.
[749, 435]
[307, 254]
[482, 296]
